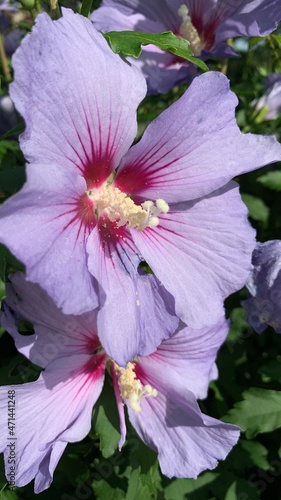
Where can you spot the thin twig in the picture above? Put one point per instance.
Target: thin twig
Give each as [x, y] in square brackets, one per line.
[4, 60]
[55, 10]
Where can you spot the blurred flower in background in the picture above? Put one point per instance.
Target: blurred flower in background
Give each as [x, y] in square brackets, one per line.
[264, 305]
[207, 24]
[10, 17]
[270, 103]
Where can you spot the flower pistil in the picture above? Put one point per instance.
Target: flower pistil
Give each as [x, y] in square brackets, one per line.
[189, 32]
[131, 388]
[119, 207]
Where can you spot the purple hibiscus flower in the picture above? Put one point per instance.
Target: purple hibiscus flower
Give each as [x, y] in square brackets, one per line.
[6, 5]
[207, 24]
[264, 285]
[11, 35]
[91, 210]
[159, 390]
[271, 100]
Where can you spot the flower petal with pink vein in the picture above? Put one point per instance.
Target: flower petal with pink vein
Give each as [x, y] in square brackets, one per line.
[78, 114]
[194, 146]
[201, 253]
[60, 403]
[137, 312]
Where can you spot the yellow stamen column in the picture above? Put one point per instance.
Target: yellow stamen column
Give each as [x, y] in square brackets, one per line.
[131, 388]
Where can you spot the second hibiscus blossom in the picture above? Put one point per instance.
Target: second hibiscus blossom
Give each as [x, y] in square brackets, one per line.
[159, 390]
[206, 24]
[91, 211]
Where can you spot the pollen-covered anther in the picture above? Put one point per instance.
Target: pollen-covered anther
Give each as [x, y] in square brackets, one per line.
[189, 32]
[153, 210]
[119, 207]
[131, 388]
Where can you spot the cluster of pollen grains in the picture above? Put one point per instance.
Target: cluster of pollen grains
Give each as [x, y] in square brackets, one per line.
[131, 388]
[189, 32]
[119, 207]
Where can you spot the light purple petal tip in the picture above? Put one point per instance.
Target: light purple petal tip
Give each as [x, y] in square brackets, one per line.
[172, 424]
[56, 334]
[194, 147]
[63, 397]
[77, 115]
[188, 358]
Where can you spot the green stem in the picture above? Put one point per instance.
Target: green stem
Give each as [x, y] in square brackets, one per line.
[86, 7]
[55, 10]
[4, 60]
[224, 66]
[37, 6]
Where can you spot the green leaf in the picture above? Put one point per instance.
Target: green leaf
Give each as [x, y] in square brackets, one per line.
[151, 481]
[86, 7]
[136, 488]
[239, 328]
[277, 39]
[271, 180]
[143, 486]
[241, 489]
[7, 494]
[106, 421]
[108, 483]
[257, 453]
[2, 295]
[257, 208]
[259, 412]
[8, 145]
[18, 129]
[103, 490]
[130, 42]
[272, 370]
[179, 488]
[247, 454]
[139, 454]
